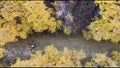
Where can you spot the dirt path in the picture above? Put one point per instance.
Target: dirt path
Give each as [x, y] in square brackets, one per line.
[74, 41]
[21, 48]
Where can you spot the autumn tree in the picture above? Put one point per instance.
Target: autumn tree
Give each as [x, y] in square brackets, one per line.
[108, 26]
[20, 18]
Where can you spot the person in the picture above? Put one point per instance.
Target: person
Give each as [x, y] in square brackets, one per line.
[33, 46]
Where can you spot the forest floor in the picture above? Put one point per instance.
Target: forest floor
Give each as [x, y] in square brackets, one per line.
[74, 41]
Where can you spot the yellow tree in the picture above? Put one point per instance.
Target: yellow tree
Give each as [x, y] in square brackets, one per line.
[40, 17]
[107, 27]
[13, 22]
[19, 18]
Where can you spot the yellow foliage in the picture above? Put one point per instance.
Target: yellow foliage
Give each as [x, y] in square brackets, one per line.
[116, 56]
[87, 35]
[12, 9]
[20, 18]
[67, 30]
[52, 57]
[40, 17]
[1, 52]
[107, 27]
[10, 30]
[101, 60]
[88, 64]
